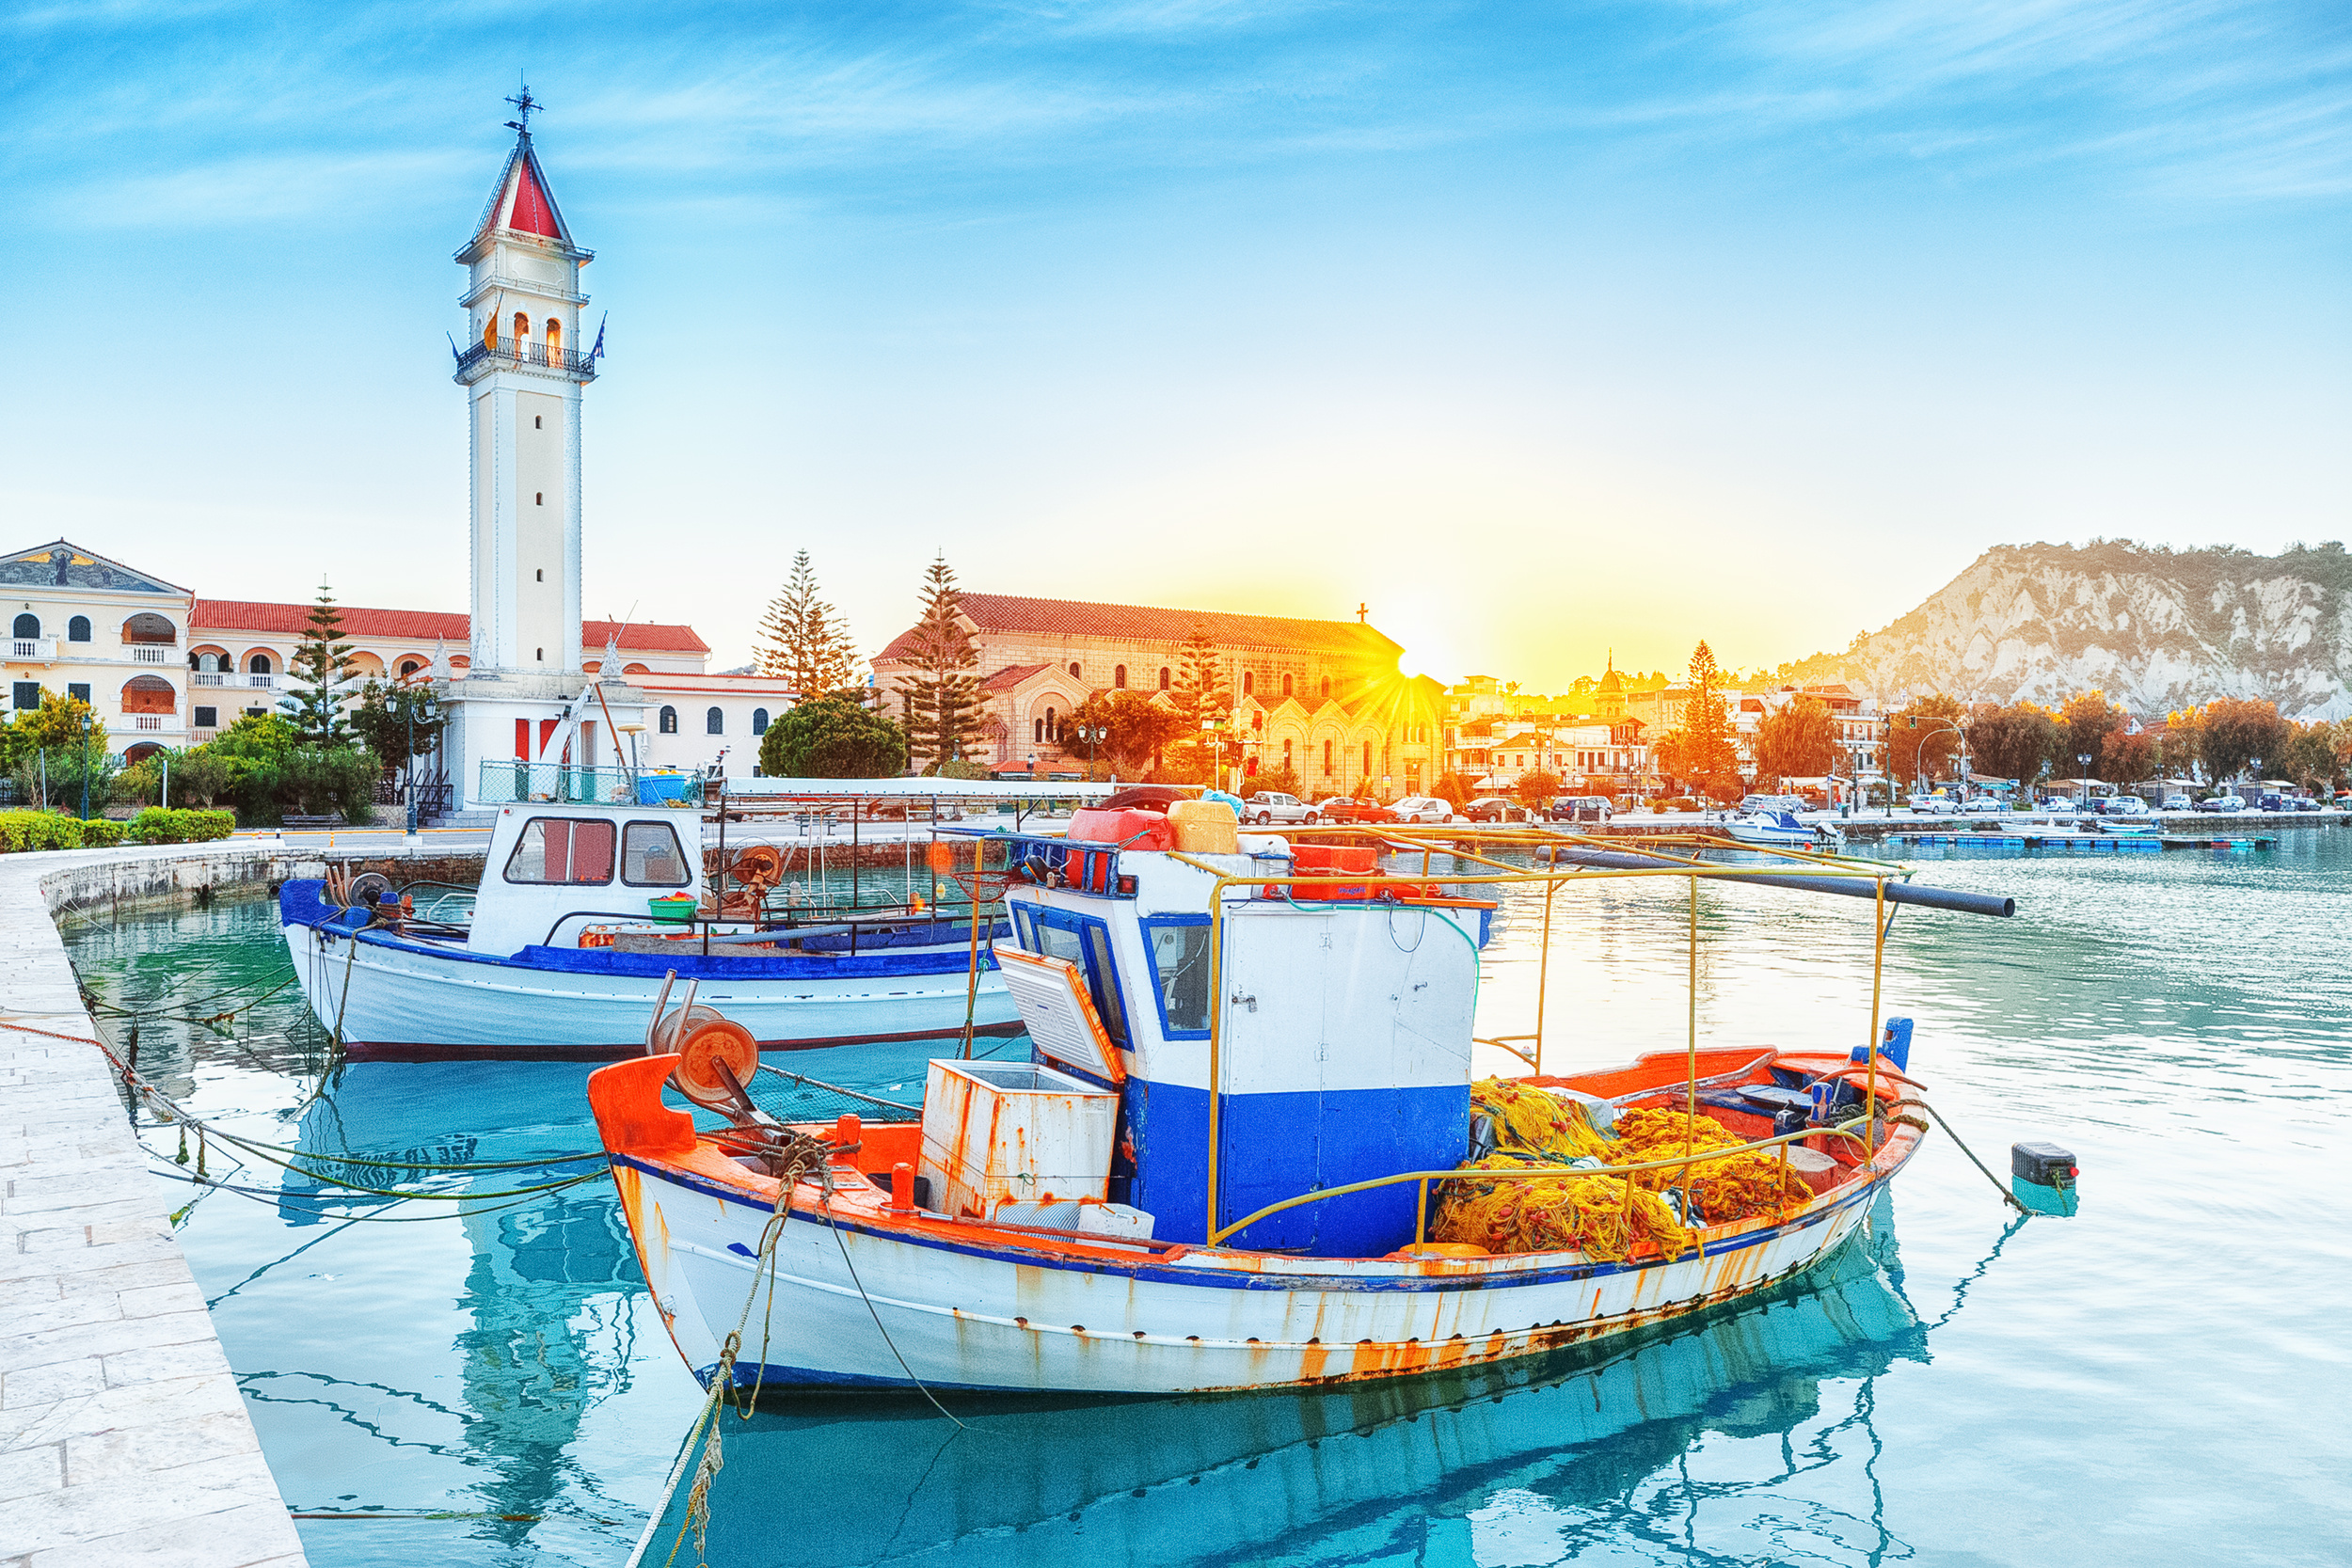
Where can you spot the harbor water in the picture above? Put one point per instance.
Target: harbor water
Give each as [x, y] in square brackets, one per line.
[2160, 1379]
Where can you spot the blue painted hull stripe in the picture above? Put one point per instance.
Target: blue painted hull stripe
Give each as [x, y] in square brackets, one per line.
[1221, 1279]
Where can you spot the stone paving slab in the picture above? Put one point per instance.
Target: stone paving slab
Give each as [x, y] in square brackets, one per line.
[124, 1437]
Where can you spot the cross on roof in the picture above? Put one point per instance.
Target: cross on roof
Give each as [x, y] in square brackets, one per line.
[524, 104]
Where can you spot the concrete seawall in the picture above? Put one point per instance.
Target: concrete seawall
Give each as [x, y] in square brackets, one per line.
[123, 1438]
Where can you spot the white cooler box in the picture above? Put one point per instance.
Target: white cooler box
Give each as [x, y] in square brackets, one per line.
[1013, 1132]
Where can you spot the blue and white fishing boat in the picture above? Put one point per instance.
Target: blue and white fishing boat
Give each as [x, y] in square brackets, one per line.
[1248, 1092]
[587, 915]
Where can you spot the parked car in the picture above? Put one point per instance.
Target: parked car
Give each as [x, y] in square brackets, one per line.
[2220, 802]
[1579, 808]
[1424, 808]
[1986, 803]
[2302, 803]
[2273, 801]
[2176, 802]
[1269, 805]
[1350, 808]
[2124, 805]
[1497, 808]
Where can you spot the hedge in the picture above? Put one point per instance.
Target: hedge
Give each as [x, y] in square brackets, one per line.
[21, 831]
[156, 825]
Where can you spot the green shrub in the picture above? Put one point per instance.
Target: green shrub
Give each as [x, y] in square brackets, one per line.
[101, 833]
[156, 825]
[21, 830]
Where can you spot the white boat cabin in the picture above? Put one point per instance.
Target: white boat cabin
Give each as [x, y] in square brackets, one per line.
[552, 869]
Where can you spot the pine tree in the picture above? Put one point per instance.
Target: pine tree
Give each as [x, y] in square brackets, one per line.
[1700, 750]
[805, 640]
[322, 664]
[1200, 693]
[942, 703]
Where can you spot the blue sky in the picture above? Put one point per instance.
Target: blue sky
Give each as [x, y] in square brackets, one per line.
[1543, 331]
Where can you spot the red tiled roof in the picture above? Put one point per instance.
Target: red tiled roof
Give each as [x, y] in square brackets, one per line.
[293, 620]
[1011, 677]
[1008, 612]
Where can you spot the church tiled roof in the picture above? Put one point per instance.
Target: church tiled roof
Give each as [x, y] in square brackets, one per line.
[293, 620]
[1008, 612]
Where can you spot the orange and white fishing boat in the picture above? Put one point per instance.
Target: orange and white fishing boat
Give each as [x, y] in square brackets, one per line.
[1235, 1157]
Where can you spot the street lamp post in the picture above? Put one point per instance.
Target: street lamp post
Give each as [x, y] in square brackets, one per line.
[1934, 724]
[2082, 790]
[1094, 735]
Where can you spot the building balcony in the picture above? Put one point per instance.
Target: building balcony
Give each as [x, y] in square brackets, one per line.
[267, 683]
[154, 653]
[482, 357]
[43, 649]
[208, 678]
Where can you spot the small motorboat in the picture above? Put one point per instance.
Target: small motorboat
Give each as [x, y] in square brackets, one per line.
[588, 914]
[1246, 1151]
[1780, 830]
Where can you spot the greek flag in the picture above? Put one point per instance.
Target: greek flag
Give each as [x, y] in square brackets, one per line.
[597, 352]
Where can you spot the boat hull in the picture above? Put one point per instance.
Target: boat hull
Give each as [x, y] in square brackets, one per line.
[393, 999]
[862, 1301]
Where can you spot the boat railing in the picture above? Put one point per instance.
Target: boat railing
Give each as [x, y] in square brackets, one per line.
[515, 782]
[1574, 859]
[1683, 1163]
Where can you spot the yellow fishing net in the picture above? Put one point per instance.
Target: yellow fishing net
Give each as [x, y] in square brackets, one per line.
[1597, 1215]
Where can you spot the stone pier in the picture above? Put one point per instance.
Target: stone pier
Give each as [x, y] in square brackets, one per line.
[123, 1438]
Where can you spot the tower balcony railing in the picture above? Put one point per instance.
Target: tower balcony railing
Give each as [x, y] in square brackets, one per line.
[533, 354]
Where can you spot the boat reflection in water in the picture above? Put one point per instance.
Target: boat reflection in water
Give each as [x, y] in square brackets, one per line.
[1521, 1462]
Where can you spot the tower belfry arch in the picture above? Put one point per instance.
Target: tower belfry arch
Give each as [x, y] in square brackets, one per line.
[524, 375]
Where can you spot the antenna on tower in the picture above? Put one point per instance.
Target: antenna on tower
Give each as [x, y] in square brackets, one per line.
[524, 104]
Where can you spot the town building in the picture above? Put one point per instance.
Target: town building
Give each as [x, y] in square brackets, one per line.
[1326, 699]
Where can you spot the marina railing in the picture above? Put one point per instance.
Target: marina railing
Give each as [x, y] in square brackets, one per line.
[513, 781]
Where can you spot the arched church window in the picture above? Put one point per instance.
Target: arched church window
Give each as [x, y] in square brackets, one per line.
[1286, 686]
[1073, 669]
[27, 625]
[1053, 730]
[554, 337]
[1036, 732]
[1325, 690]
[490, 334]
[1249, 682]
[1326, 757]
[1119, 676]
[760, 720]
[1163, 677]
[522, 330]
[715, 722]
[668, 720]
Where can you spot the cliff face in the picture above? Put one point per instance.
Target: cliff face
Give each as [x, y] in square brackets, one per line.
[2157, 629]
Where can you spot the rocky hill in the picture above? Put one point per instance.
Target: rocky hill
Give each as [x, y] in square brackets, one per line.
[2156, 628]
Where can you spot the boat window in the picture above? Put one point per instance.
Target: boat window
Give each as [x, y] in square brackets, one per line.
[650, 856]
[1180, 954]
[1107, 986]
[564, 851]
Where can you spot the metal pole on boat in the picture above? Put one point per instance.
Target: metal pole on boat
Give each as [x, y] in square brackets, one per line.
[1216, 1042]
[1877, 977]
[1543, 966]
[719, 905]
[972, 977]
[1691, 1090]
[857, 808]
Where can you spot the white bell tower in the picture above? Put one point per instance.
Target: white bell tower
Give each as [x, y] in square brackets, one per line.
[523, 370]
[524, 367]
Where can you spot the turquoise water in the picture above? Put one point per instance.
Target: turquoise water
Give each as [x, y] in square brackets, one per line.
[2161, 1379]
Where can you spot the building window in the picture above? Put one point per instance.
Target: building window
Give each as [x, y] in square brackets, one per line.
[1367, 759]
[1119, 676]
[27, 627]
[539, 497]
[258, 665]
[1074, 669]
[534, 422]
[1286, 754]
[27, 695]
[1163, 677]
[208, 719]
[1249, 682]
[1053, 730]
[77, 630]
[522, 330]
[760, 720]
[1036, 732]
[78, 689]
[408, 667]
[1325, 690]
[714, 721]
[555, 339]
[668, 720]
[539, 654]
[1327, 758]
[539, 574]
[1286, 686]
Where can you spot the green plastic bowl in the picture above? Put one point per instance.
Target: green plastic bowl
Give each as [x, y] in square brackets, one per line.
[677, 910]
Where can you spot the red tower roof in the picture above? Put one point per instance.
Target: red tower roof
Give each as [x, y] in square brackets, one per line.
[521, 201]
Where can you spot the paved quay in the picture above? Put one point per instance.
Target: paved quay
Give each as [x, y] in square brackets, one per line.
[124, 1437]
